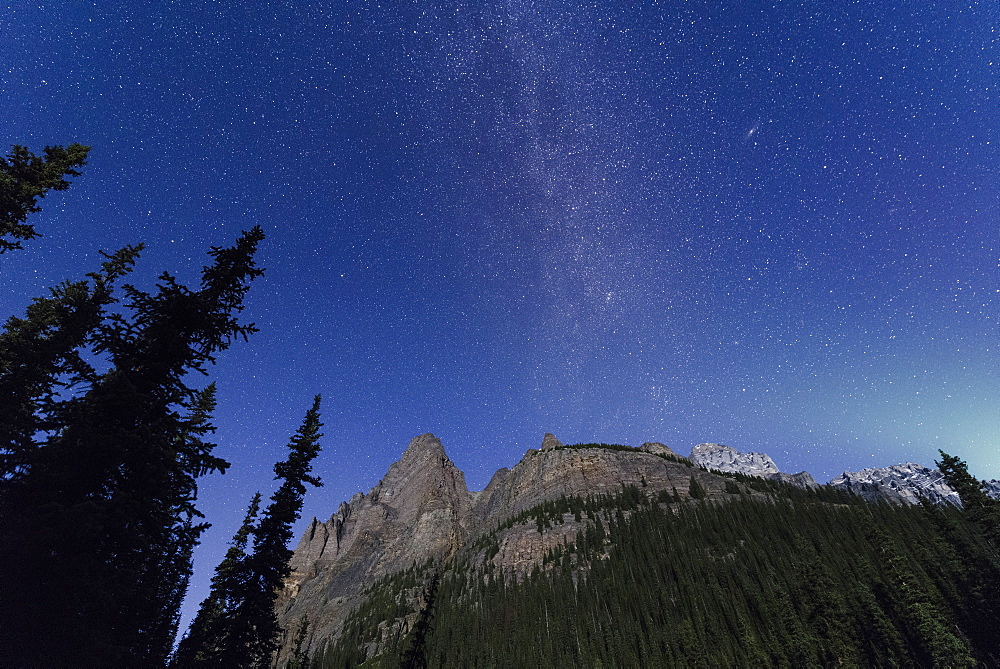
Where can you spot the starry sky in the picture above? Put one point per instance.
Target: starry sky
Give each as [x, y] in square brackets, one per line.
[772, 225]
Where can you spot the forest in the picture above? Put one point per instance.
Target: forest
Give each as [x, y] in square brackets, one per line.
[802, 578]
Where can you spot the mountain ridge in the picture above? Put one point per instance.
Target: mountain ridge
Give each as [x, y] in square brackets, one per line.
[422, 510]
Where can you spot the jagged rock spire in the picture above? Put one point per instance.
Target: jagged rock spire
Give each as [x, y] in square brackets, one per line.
[549, 442]
[424, 444]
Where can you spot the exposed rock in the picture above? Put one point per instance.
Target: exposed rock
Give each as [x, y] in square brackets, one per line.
[905, 483]
[549, 442]
[548, 475]
[416, 512]
[802, 479]
[522, 547]
[657, 448]
[725, 459]
[422, 509]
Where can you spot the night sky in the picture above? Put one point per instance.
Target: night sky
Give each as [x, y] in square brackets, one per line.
[769, 225]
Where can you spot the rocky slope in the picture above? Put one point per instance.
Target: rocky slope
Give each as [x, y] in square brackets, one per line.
[906, 482]
[725, 459]
[557, 470]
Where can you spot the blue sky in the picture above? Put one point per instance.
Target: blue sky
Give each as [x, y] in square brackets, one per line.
[772, 226]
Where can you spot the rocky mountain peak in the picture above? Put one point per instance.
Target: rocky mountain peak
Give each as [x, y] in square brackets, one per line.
[722, 458]
[424, 446]
[906, 482]
[725, 459]
[423, 463]
[656, 448]
[581, 470]
[550, 443]
[417, 510]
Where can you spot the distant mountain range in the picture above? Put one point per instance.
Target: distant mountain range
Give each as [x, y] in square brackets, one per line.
[365, 582]
[907, 482]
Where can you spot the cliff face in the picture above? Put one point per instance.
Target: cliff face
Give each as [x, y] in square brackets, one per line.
[417, 511]
[550, 473]
[905, 483]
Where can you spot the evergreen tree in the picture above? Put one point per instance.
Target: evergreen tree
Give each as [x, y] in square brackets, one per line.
[103, 509]
[982, 509]
[168, 579]
[300, 658]
[205, 639]
[254, 630]
[969, 489]
[938, 640]
[40, 359]
[695, 489]
[25, 177]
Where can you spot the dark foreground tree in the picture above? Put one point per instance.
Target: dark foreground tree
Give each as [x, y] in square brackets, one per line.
[968, 487]
[256, 631]
[24, 178]
[209, 630]
[41, 361]
[982, 509]
[102, 506]
[242, 629]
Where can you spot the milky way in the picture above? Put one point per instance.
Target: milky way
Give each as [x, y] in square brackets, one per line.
[773, 227]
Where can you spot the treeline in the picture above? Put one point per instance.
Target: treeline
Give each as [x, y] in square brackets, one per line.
[102, 441]
[553, 511]
[748, 582]
[631, 449]
[783, 489]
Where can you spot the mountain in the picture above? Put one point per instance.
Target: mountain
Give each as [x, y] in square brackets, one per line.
[906, 483]
[603, 545]
[720, 458]
[725, 459]
[422, 510]
[418, 511]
